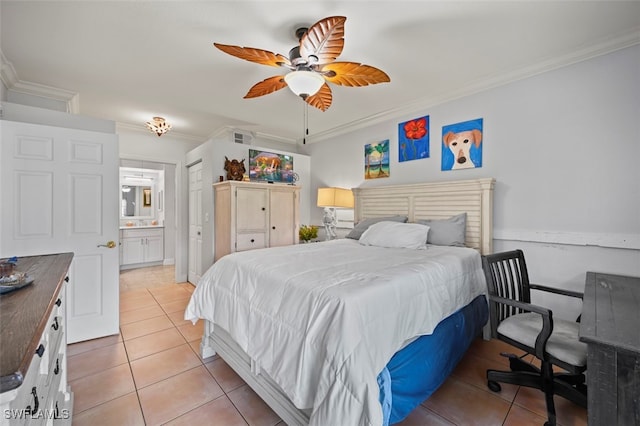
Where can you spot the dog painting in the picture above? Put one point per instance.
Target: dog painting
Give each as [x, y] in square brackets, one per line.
[462, 145]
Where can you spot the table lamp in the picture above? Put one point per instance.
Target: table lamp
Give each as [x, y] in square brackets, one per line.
[332, 198]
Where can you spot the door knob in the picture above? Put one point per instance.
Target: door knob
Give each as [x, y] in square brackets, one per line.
[110, 244]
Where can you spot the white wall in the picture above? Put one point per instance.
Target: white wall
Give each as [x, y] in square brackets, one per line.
[30, 114]
[212, 155]
[564, 149]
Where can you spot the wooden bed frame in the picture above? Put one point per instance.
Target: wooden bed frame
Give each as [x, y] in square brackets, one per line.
[437, 200]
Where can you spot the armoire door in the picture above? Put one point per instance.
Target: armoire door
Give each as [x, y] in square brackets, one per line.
[251, 209]
[282, 220]
[60, 194]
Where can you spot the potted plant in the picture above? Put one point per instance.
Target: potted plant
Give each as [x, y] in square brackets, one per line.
[308, 233]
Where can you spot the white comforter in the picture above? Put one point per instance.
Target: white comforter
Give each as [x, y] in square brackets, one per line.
[324, 319]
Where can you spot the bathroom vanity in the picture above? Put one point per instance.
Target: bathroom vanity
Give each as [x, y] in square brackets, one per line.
[141, 246]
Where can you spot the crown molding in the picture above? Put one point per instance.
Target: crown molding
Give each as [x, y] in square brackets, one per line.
[226, 131]
[12, 82]
[7, 72]
[621, 41]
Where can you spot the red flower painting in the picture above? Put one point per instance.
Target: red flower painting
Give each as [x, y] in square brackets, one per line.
[415, 129]
[413, 138]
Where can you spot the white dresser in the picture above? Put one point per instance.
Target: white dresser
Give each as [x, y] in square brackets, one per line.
[255, 215]
[33, 364]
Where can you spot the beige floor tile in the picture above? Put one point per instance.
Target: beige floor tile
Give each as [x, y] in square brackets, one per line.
[472, 369]
[491, 349]
[567, 412]
[88, 345]
[170, 294]
[219, 412]
[153, 343]
[195, 345]
[178, 305]
[192, 332]
[519, 416]
[177, 318]
[133, 303]
[162, 365]
[187, 286]
[122, 411]
[109, 384]
[135, 315]
[424, 417]
[144, 327]
[253, 409]
[129, 294]
[465, 404]
[95, 361]
[224, 375]
[173, 397]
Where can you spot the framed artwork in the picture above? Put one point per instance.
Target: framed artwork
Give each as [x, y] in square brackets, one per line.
[376, 160]
[462, 145]
[146, 199]
[413, 139]
[270, 167]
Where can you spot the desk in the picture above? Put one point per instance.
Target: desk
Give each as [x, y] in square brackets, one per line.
[611, 328]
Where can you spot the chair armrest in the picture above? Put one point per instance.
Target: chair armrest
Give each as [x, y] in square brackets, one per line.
[556, 290]
[522, 305]
[547, 321]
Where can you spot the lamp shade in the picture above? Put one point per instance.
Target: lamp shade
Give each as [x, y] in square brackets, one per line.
[335, 197]
[304, 83]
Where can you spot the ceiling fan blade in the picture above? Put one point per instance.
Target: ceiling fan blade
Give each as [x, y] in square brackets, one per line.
[251, 54]
[353, 74]
[266, 86]
[322, 99]
[324, 39]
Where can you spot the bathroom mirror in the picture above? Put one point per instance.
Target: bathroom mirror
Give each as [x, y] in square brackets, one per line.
[137, 201]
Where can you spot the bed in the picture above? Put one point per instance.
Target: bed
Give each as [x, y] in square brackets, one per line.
[324, 332]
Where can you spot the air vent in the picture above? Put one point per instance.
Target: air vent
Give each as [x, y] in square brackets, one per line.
[243, 138]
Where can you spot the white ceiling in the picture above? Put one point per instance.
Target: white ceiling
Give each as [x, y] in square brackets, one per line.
[131, 60]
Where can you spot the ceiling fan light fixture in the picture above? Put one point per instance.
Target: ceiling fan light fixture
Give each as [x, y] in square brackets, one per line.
[159, 126]
[304, 83]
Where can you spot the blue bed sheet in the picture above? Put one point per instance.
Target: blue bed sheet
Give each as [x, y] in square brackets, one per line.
[416, 371]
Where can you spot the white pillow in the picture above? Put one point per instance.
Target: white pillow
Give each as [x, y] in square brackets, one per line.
[396, 235]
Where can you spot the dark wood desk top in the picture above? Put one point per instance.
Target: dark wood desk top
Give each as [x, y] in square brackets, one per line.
[24, 313]
[611, 311]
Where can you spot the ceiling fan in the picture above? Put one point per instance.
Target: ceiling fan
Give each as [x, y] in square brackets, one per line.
[311, 64]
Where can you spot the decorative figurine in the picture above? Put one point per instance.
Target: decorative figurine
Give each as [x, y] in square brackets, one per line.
[234, 168]
[330, 223]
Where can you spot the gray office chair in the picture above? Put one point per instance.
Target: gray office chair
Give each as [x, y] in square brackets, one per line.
[533, 329]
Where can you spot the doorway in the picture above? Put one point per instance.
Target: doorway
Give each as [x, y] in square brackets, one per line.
[195, 223]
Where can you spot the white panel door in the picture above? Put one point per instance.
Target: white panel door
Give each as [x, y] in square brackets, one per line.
[60, 194]
[195, 223]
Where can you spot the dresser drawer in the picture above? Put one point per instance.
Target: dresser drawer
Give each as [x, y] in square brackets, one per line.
[251, 241]
[29, 396]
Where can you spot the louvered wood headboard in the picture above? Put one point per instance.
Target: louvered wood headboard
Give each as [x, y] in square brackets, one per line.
[437, 200]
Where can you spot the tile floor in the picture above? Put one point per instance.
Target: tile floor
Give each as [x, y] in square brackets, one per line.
[151, 374]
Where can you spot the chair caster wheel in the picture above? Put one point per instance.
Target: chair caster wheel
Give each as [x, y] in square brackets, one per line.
[494, 386]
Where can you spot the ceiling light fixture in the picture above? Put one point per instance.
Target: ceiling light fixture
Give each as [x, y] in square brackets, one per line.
[159, 126]
[304, 83]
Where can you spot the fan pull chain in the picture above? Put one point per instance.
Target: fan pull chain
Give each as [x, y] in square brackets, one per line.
[305, 124]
